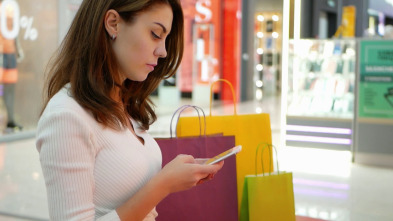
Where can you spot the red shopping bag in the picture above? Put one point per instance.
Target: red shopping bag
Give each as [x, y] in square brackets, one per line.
[213, 200]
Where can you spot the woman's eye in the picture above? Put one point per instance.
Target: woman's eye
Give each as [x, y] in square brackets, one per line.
[155, 35]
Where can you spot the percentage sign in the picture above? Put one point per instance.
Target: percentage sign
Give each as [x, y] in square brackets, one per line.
[30, 32]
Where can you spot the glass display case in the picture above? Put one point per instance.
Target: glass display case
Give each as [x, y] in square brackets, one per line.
[321, 83]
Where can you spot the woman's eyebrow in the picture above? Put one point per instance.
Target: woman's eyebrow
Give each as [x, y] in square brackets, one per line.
[162, 26]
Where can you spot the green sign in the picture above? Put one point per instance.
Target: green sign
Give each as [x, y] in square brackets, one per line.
[376, 79]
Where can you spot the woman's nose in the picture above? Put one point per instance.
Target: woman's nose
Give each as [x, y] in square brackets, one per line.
[161, 51]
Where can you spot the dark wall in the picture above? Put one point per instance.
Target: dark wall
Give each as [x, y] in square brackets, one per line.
[332, 11]
[307, 17]
[311, 10]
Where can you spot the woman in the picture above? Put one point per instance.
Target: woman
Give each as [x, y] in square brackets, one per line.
[97, 159]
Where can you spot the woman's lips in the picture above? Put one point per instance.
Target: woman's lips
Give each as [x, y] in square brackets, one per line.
[151, 66]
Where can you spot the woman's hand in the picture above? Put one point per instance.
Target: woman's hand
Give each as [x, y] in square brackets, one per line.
[183, 173]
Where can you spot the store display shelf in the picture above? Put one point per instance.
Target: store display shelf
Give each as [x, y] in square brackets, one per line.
[321, 85]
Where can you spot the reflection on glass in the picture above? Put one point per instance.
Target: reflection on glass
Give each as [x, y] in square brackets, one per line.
[21, 70]
[11, 54]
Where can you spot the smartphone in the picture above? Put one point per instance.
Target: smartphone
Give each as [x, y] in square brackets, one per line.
[231, 152]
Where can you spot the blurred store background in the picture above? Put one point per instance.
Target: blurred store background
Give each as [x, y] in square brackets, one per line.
[323, 70]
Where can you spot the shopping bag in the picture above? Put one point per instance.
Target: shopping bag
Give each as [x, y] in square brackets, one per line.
[268, 196]
[249, 130]
[213, 200]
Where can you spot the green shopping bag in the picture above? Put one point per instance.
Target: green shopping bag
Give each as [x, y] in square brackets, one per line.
[268, 196]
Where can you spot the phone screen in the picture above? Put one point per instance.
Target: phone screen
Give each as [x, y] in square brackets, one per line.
[224, 155]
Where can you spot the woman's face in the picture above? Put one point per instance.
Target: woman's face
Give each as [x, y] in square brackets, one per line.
[139, 44]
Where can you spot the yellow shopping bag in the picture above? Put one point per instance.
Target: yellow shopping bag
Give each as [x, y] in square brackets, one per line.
[249, 130]
[268, 196]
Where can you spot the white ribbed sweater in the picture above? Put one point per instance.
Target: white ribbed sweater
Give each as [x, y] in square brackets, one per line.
[89, 170]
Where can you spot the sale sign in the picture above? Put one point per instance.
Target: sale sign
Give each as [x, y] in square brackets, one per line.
[9, 10]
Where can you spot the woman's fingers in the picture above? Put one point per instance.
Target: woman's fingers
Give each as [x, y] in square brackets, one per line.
[184, 172]
[212, 172]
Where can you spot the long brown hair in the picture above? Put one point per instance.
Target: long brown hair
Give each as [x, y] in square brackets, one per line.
[85, 60]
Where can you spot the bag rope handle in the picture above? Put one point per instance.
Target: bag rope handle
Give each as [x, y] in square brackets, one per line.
[270, 160]
[233, 94]
[181, 109]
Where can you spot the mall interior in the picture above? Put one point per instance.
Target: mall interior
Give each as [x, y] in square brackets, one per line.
[320, 69]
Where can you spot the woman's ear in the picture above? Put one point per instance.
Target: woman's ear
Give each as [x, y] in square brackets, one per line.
[111, 21]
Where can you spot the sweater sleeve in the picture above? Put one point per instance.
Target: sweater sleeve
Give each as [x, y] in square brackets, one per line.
[67, 156]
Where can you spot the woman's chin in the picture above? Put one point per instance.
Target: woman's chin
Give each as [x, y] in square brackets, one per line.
[140, 78]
